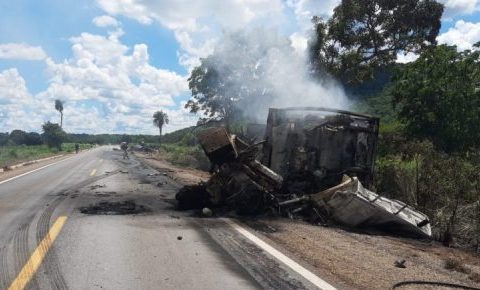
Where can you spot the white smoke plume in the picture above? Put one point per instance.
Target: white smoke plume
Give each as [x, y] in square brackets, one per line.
[266, 69]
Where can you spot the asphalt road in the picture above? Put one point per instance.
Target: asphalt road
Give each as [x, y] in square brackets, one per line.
[61, 228]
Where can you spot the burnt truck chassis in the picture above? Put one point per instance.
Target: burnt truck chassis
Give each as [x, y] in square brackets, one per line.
[323, 159]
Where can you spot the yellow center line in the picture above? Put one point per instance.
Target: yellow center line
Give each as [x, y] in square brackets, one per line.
[37, 257]
[93, 172]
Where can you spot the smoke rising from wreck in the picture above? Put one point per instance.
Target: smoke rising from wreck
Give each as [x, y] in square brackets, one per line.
[267, 71]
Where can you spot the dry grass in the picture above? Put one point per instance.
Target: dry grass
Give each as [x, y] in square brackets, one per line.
[456, 265]
[475, 277]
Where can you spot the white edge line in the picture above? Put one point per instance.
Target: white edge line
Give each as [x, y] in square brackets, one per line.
[314, 279]
[40, 168]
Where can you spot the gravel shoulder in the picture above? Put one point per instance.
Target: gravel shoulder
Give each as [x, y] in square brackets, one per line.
[351, 259]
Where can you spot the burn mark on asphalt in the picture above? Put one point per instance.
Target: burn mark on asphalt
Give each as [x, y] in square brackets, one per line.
[114, 208]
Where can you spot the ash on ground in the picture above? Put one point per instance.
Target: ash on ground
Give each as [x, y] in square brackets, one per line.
[114, 208]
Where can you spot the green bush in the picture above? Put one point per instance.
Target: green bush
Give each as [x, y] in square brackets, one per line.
[13, 153]
[187, 156]
[445, 187]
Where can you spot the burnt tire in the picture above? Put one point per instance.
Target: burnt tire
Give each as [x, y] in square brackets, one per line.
[192, 197]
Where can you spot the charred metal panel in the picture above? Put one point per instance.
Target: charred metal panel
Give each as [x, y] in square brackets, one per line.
[321, 143]
[350, 204]
[217, 144]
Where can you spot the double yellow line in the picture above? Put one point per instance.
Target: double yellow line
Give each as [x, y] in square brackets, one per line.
[32, 265]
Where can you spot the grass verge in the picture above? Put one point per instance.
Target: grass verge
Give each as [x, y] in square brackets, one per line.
[10, 155]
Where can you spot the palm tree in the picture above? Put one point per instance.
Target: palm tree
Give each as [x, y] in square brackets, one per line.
[160, 118]
[59, 107]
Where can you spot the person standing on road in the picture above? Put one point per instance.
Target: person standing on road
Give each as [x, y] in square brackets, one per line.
[77, 148]
[124, 147]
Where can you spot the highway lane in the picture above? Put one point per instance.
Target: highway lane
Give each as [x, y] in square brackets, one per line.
[157, 248]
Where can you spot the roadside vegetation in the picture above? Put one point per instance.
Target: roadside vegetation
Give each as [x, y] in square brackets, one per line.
[10, 155]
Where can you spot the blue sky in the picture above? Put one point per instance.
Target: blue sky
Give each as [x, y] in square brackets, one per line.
[115, 62]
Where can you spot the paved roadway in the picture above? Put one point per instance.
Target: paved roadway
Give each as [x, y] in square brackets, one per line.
[46, 242]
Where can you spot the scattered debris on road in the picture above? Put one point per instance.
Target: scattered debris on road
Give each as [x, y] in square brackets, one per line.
[315, 163]
[95, 186]
[400, 263]
[206, 212]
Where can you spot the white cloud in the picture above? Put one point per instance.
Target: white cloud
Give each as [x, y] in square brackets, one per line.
[406, 58]
[197, 24]
[107, 87]
[464, 35]
[19, 109]
[112, 87]
[105, 21]
[12, 86]
[305, 9]
[460, 7]
[21, 51]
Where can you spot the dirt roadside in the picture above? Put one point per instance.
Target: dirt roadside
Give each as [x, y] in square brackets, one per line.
[353, 260]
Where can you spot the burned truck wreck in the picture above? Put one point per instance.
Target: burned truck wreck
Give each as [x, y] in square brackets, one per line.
[312, 164]
[319, 146]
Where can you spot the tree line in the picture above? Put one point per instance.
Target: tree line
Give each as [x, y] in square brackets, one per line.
[54, 136]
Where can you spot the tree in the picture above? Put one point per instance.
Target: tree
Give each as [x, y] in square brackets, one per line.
[210, 93]
[160, 118]
[4, 138]
[59, 107]
[33, 138]
[18, 137]
[53, 135]
[365, 35]
[438, 97]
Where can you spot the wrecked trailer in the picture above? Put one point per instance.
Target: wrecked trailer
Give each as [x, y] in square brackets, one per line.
[314, 151]
[312, 148]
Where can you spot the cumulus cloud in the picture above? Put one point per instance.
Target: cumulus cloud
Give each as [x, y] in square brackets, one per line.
[113, 84]
[406, 57]
[460, 7]
[305, 9]
[464, 35]
[106, 87]
[128, 8]
[19, 109]
[12, 86]
[105, 21]
[197, 24]
[21, 51]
